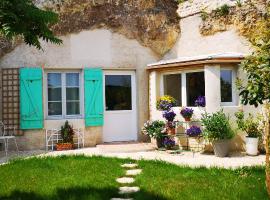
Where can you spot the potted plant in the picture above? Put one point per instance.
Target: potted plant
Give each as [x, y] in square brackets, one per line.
[166, 103]
[186, 113]
[195, 142]
[156, 130]
[168, 143]
[252, 127]
[67, 133]
[200, 101]
[170, 124]
[194, 131]
[217, 129]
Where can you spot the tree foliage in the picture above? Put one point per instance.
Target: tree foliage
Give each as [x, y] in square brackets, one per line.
[257, 66]
[23, 18]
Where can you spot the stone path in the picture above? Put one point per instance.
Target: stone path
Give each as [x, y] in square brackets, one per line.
[126, 189]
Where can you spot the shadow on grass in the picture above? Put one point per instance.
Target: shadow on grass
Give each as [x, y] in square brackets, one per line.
[78, 193]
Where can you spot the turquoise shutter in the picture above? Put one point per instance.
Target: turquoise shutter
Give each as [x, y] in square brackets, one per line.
[93, 96]
[31, 110]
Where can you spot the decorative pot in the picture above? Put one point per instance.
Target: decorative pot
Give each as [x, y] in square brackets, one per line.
[187, 119]
[252, 146]
[170, 131]
[64, 146]
[221, 147]
[159, 142]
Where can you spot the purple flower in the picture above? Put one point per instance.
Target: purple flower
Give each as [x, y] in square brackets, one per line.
[186, 112]
[169, 115]
[168, 142]
[194, 131]
[200, 101]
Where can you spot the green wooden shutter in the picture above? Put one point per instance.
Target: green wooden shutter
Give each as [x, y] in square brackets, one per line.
[31, 110]
[93, 96]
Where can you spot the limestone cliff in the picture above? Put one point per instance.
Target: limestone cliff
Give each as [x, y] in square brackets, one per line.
[245, 18]
[154, 23]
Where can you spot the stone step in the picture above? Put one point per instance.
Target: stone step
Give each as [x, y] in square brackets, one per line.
[133, 172]
[128, 190]
[129, 165]
[125, 180]
[121, 199]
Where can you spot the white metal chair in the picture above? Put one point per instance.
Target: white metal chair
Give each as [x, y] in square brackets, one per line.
[7, 133]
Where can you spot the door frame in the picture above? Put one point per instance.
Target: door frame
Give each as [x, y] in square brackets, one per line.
[133, 96]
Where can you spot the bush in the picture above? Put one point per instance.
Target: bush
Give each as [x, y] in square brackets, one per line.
[222, 11]
[154, 129]
[250, 125]
[67, 133]
[216, 126]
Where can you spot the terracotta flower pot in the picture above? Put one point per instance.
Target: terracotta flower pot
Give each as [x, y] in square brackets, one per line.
[171, 131]
[64, 146]
[187, 119]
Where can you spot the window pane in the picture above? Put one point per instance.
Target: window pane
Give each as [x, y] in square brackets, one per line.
[54, 80]
[73, 108]
[173, 86]
[54, 108]
[73, 94]
[226, 85]
[54, 94]
[72, 79]
[118, 92]
[195, 87]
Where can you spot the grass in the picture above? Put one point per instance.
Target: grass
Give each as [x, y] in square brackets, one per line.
[79, 178]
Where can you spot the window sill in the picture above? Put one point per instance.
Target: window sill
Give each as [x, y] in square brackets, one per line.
[63, 118]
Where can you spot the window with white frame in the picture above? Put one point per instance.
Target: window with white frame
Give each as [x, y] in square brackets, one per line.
[185, 87]
[63, 94]
[226, 86]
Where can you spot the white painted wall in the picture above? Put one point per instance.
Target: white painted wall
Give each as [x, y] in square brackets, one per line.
[92, 48]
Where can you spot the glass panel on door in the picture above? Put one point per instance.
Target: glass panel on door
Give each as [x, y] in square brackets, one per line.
[118, 92]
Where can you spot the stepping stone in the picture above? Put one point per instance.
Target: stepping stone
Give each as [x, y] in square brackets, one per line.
[129, 165]
[133, 172]
[125, 180]
[120, 199]
[128, 190]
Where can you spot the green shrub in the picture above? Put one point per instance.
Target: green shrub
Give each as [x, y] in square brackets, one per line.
[67, 133]
[222, 11]
[250, 125]
[154, 129]
[216, 126]
[204, 15]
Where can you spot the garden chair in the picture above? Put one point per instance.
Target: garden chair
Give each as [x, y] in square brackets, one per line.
[7, 133]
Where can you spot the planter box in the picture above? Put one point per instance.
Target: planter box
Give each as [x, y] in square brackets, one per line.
[64, 146]
[252, 146]
[196, 144]
[221, 148]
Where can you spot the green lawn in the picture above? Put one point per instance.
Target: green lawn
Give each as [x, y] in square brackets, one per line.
[91, 178]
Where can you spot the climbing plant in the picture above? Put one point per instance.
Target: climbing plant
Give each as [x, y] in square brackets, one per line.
[23, 18]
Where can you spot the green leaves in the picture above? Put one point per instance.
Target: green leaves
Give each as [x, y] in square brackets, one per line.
[23, 18]
[216, 126]
[257, 67]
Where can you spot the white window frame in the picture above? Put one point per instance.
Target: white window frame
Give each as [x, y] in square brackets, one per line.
[63, 86]
[183, 83]
[234, 89]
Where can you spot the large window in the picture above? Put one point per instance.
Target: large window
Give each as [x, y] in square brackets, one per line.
[195, 87]
[185, 87]
[226, 78]
[63, 94]
[173, 87]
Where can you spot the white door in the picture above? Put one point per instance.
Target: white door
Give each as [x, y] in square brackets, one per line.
[120, 119]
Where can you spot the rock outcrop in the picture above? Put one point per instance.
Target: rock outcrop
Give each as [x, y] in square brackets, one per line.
[154, 23]
[245, 18]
